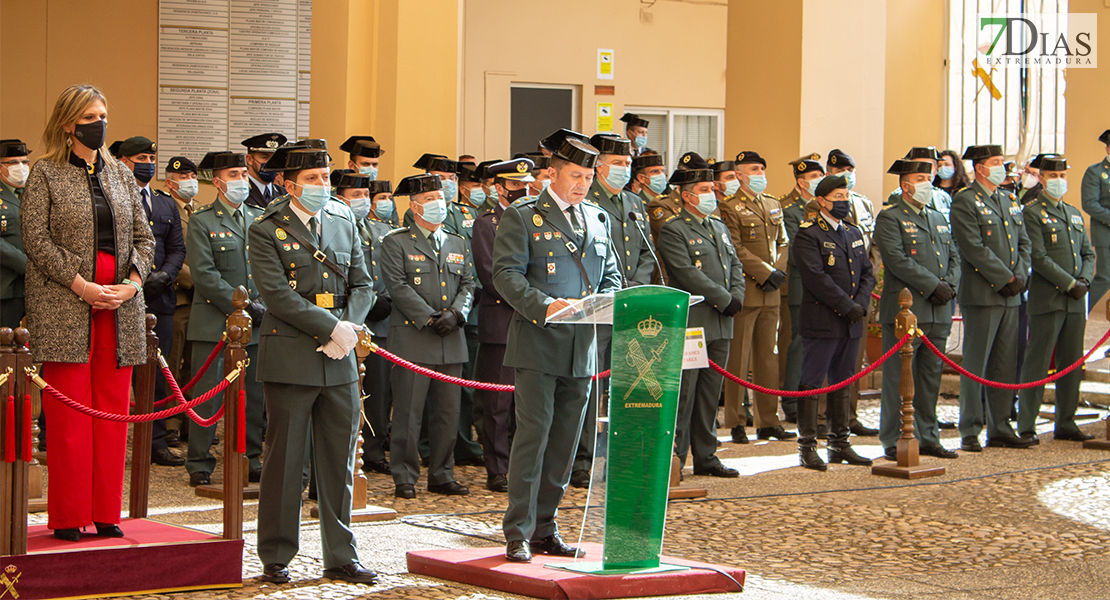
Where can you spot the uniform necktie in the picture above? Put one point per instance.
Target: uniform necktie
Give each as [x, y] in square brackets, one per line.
[434, 241]
[146, 201]
[572, 213]
[239, 219]
[843, 234]
[268, 194]
[312, 230]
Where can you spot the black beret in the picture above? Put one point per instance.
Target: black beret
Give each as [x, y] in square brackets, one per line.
[839, 159]
[748, 157]
[645, 161]
[807, 165]
[810, 156]
[578, 152]
[380, 186]
[348, 178]
[295, 158]
[180, 164]
[830, 183]
[1105, 137]
[1054, 162]
[435, 162]
[137, 145]
[13, 147]
[906, 167]
[517, 169]
[692, 160]
[982, 152]
[634, 121]
[918, 152]
[418, 184]
[113, 148]
[688, 176]
[724, 165]
[362, 145]
[553, 142]
[216, 161]
[264, 142]
[611, 143]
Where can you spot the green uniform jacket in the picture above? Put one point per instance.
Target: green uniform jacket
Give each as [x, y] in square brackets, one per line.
[289, 277]
[420, 283]
[13, 262]
[700, 259]
[533, 266]
[918, 252]
[631, 246]
[219, 263]
[1061, 255]
[1095, 196]
[663, 208]
[793, 213]
[994, 246]
[371, 231]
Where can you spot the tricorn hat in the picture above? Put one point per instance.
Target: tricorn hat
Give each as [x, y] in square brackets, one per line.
[418, 184]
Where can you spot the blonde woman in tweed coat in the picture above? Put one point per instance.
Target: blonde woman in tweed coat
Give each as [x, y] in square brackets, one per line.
[88, 247]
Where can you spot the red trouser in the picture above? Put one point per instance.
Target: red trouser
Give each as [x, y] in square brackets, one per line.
[87, 455]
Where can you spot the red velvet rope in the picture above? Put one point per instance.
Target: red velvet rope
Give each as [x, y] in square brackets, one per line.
[28, 449]
[479, 385]
[118, 418]
[9, 430]
[192, 382]
[832, 388]
[241, 430]
[1014, 386]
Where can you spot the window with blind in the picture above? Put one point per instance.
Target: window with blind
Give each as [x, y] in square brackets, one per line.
[676, 131]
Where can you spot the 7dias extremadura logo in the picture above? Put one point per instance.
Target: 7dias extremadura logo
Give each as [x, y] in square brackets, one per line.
[1045, 40]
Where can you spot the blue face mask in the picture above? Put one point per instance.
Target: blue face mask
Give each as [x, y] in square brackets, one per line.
[758, 183]
[658, 183]
[187, 188]
[850, 178]
[384, 209]
[360, 206]
[266, 176]
[731, 187]
[493, 195]
[237, 191]
[813, 185]
[946, 172]
[313, 197]
[144, 172]
[450, 188]
[477, 196]
[371, 172]
[618, 176]
[640, 141]
[545, 183]
[1056, 188]
[435, 211]
[707, 203]
[997, 174]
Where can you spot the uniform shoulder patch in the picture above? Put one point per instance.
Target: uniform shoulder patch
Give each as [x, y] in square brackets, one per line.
[393, 231]
[205, 208]
[671, 218]
[805, 224]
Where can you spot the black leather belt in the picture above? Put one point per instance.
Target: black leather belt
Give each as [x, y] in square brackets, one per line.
[328, 300]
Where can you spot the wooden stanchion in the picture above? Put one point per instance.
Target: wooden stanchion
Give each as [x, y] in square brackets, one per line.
[677, 490]
[20, 387]
[909, 463]
[35, 489]
[7, 365]
[1103, 444]
[143, 431]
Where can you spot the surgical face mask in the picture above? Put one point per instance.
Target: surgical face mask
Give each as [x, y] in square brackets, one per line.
[850, 178]
[923, 193]
[360, 206]
[658, 183]
[477, 196]
[435, 211]
[1029, 181]
[384, 209]
[757, 183]
[618, 176]
[707, 203]
[371, 172]
[840, 209]
[731, 187]
[493, 195]
[144, 172]
[640, 141]
[812, 185]
[450, 188]
[187, 188]
[17, 174]
[91, 135]
[266, 176]
[1056, 188]
[313, 197]
[997, 174]
[946, 172]
[546, 183]
[237, 191]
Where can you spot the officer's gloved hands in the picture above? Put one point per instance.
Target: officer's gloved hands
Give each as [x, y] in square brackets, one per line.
[857, 313]
[345, 335]
[155, 283]
[733, 307]
[447, 322]
[943, 294]
[1078, 290]
[774, 281]
[333, 351]
[256, 309]
[1013, 288]
[382, 307]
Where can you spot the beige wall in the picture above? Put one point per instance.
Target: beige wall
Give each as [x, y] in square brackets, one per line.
[678, 60]
[1087, 115]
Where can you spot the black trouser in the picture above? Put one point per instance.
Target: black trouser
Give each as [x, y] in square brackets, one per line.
[498, 409]
[377, 406]
[834, 358]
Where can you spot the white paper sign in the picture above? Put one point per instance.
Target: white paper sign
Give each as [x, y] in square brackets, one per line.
[694, 356]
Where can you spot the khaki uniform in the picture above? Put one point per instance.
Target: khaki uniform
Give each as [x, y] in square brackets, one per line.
[759, 237]
[661, 209]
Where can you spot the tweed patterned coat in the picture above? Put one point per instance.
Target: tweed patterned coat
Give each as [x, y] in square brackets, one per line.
[59, 239]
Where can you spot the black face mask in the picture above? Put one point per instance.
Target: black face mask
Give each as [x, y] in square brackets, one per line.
[91, 135]
[144, 172]
[266, 176]
[513, 195]
[839, 210]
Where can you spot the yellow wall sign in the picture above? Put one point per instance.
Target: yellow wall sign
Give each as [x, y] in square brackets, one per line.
[604, 63]
[604, 116]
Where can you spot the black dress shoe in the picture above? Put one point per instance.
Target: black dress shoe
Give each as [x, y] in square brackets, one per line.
[404, 490]
[70, 535]
[518, 551]
[555, 546]
[275, 573]
[215, 439]
[847, 455]
[970, 444]
[473, 461]
[1078, 436]
[199, 478]
[718, 470]
[808, 457]
[254, 476]
[172, 439]
[863, 431]
[946, 425]
[1029, 435]
[352, 573]
[497, 483]
[451, 488]
[777, 432]
[580, 479]
[937, 451]
[1009, 441]
[164, 457]
[891, 453]
[108, 530]
[377, 466]
[739, 436]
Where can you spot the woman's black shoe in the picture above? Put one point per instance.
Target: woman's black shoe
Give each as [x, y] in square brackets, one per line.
[69, 535]
[108, 530]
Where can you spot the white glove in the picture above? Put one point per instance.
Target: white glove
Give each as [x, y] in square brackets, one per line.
[333, 351]
[345, 334]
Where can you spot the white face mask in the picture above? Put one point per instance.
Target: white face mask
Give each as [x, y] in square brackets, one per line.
[17, 174]
[1028, 181]
[187, 188]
